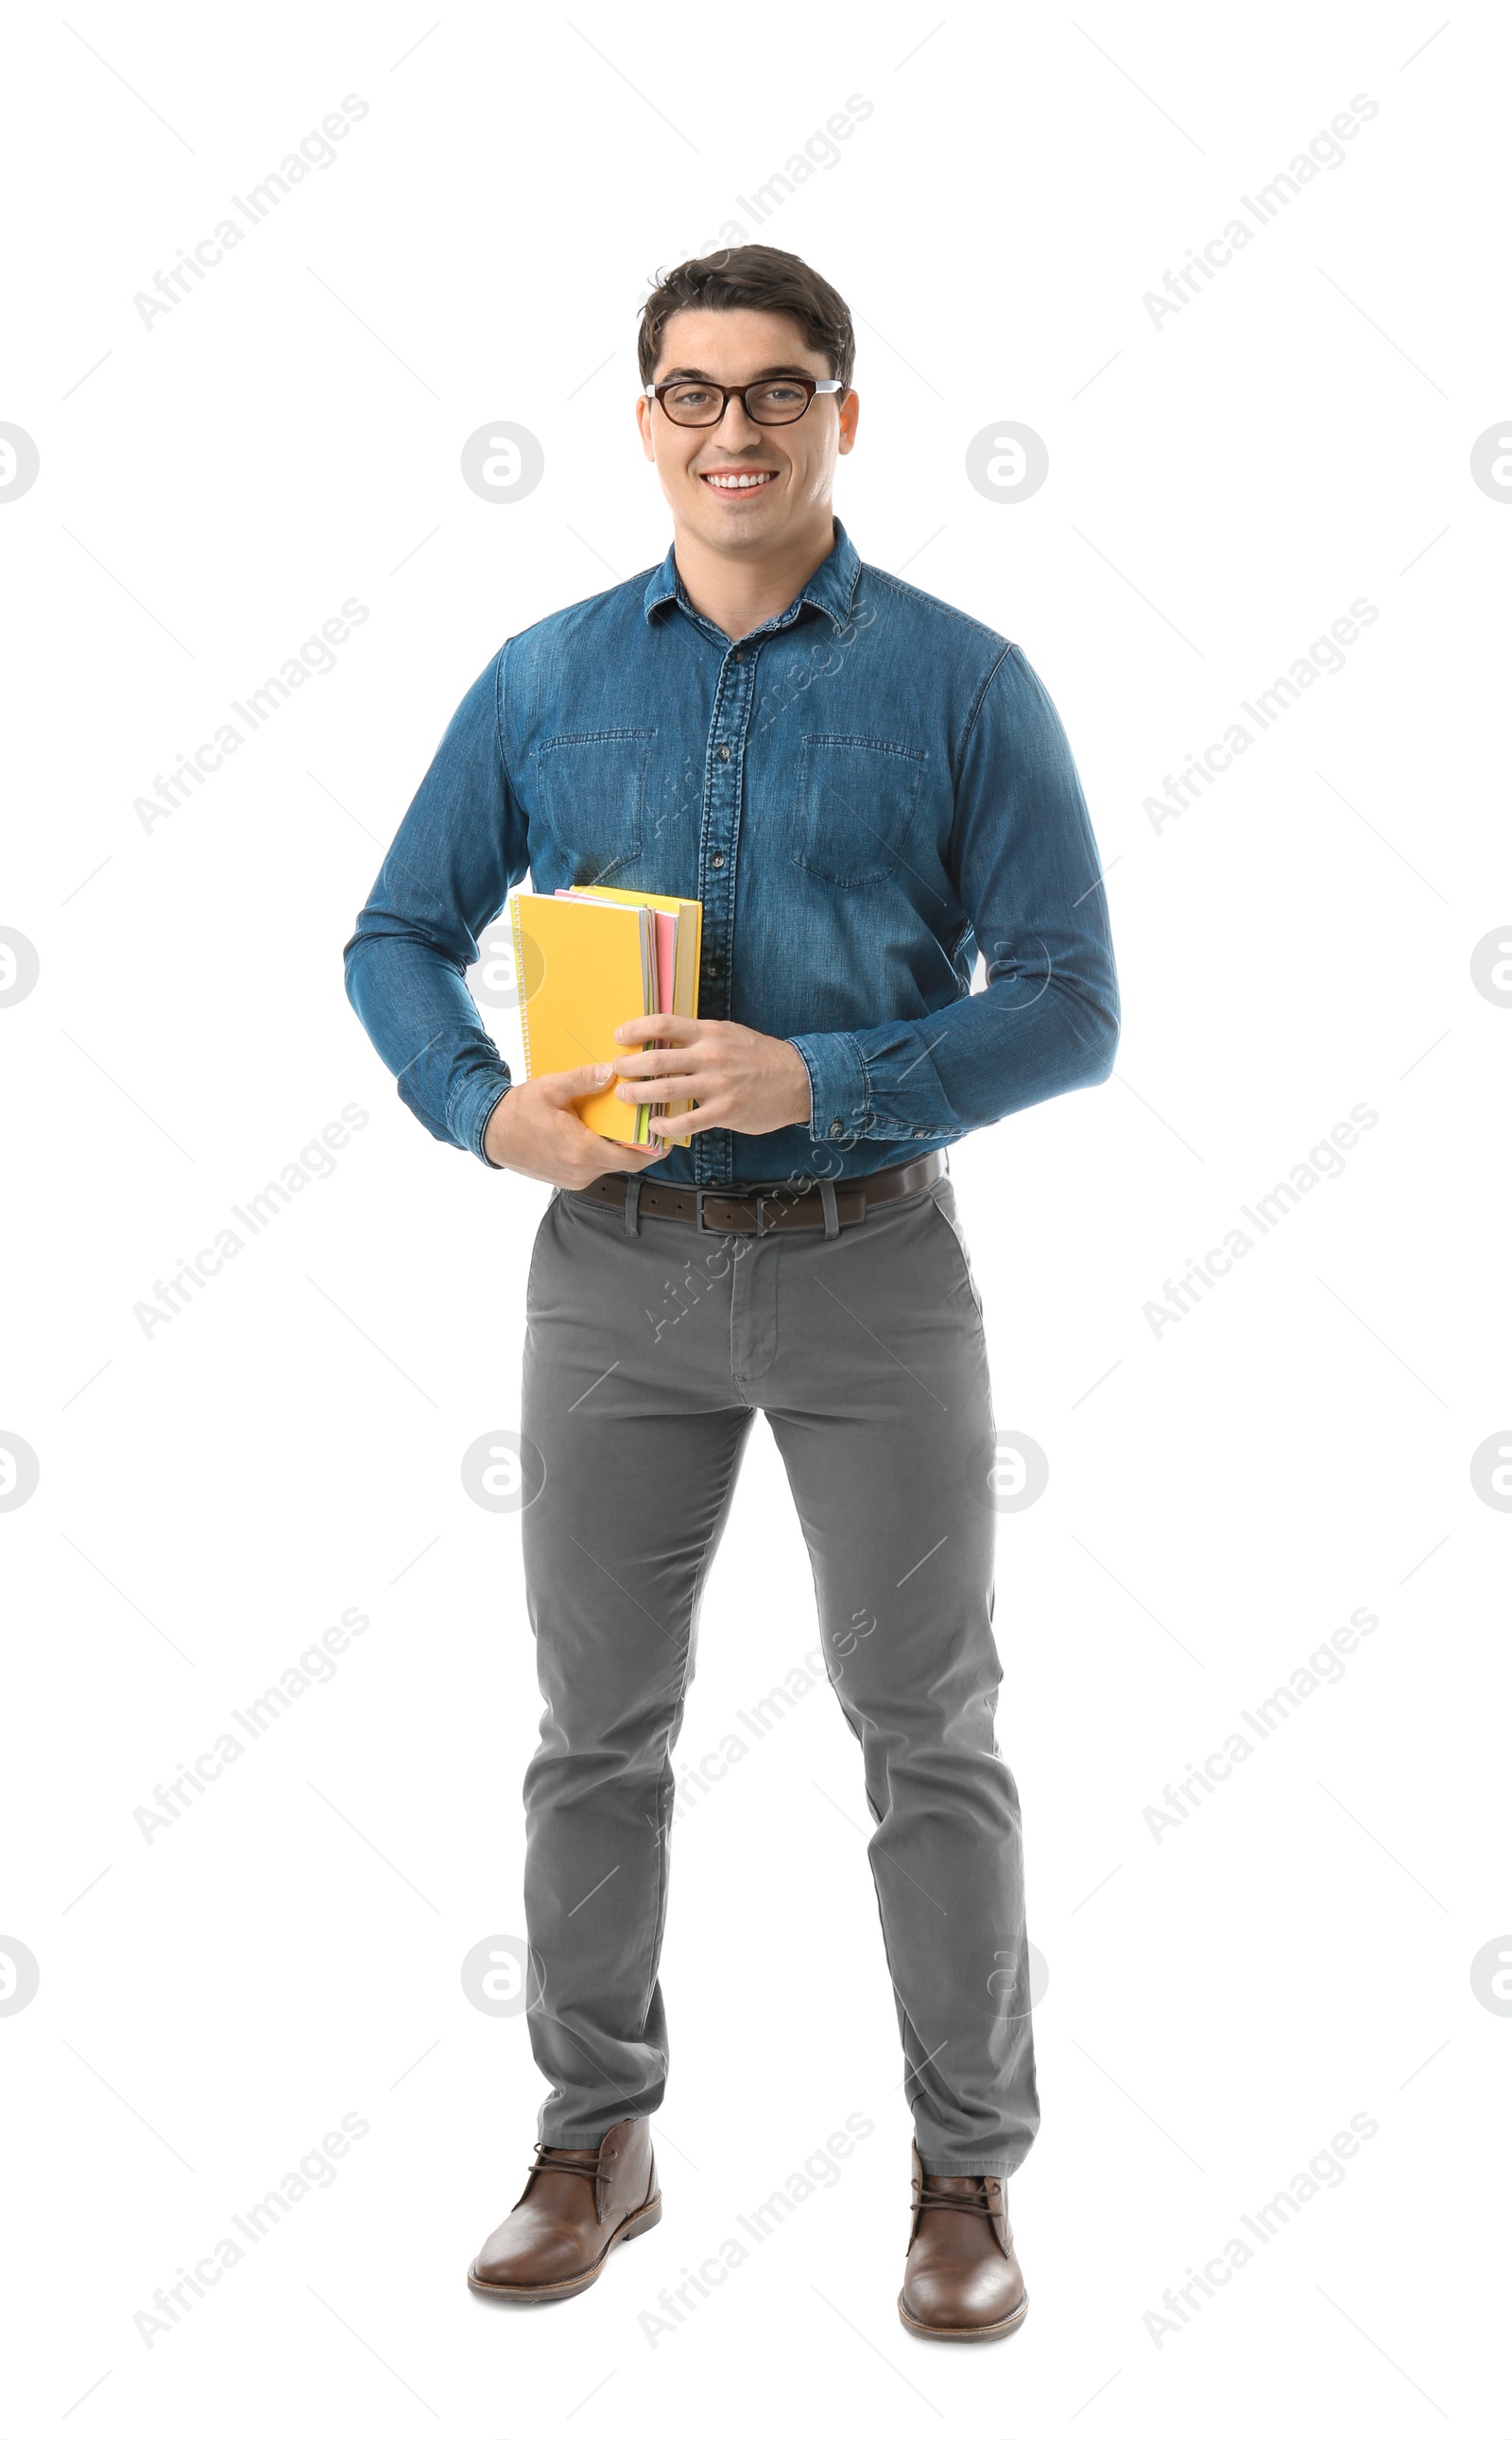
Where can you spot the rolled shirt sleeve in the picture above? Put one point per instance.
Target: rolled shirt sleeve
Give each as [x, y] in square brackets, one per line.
[456, 854]
[1025, 864]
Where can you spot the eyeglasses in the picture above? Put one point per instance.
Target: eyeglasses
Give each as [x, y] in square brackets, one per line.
[781, 399]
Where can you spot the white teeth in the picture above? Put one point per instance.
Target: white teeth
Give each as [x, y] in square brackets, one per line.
[737, 482]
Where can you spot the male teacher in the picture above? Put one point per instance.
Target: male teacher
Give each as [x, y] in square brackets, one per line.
[868, 790]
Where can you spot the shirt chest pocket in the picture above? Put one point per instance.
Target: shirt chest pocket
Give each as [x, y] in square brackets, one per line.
[591, 790]
[854, 809]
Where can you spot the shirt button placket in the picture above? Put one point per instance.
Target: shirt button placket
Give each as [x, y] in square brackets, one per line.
[711, 1152]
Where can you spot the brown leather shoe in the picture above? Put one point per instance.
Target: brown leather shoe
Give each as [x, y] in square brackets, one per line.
[961, 2279]
[576, 2208]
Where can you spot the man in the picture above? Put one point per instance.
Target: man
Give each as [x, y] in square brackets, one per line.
[865, 788]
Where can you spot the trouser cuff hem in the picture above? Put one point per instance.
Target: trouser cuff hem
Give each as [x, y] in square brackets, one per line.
[983, 2166]
[575, 2139]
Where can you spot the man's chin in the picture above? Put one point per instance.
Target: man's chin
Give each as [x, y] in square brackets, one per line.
[737, 532]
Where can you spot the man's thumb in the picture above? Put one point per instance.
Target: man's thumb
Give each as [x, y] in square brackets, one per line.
[582, 1080]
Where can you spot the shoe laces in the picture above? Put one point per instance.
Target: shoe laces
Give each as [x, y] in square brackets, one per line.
[928, 2198]
[573, 2169]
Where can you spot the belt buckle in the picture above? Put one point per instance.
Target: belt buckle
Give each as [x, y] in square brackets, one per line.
[726, 1194]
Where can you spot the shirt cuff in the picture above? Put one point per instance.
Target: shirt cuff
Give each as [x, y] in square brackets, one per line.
[837, 1079]
[470, 1113]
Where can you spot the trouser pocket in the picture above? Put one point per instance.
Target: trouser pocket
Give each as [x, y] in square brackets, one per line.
[942, 1194]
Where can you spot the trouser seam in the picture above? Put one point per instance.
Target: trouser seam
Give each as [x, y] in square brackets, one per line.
[663, 1834]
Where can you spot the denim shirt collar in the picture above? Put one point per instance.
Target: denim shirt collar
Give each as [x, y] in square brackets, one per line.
[831, 588]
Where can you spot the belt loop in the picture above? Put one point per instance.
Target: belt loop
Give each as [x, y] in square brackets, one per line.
[832, 1210]
[632, 1207]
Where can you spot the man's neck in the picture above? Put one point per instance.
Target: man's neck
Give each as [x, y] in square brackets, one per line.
[740, 592]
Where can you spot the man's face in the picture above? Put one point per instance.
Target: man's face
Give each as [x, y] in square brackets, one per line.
[795, 461]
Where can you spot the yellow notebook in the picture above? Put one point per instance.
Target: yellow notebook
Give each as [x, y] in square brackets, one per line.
[690, 920]
[583, 969]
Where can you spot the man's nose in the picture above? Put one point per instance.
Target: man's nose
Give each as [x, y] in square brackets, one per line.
[736, 406]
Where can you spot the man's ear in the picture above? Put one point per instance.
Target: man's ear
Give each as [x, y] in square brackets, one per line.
[643, 420]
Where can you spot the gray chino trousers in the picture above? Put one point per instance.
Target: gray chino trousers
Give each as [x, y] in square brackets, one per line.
[649, 1349]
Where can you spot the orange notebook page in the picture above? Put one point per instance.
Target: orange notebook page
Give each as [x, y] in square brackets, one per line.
[666, 985]
[582, 970]
[689, 913]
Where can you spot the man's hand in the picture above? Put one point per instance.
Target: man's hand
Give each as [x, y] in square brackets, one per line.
[752, 1082]
[535, 1130]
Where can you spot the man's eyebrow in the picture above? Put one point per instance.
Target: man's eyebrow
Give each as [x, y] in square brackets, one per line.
[695, 372]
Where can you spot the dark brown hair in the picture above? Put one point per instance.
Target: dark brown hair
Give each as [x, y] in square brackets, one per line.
[760, 277]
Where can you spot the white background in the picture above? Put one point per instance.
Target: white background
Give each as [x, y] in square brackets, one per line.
[213, 1495]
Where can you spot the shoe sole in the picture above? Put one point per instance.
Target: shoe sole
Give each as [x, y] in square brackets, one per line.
[637, 2225]
[982, 2330]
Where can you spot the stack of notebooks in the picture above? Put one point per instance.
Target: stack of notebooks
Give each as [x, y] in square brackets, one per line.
[589, 958]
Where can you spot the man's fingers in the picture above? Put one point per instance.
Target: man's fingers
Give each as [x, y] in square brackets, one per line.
[570, 1084]
[659, 1086]
[644, 1063]
[660, 1028]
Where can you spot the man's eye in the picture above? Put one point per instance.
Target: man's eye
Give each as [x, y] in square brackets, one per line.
[690, 396]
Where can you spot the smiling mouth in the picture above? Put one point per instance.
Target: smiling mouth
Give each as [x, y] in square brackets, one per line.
[730, 481]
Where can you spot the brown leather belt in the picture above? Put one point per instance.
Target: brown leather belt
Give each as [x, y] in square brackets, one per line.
[761, 1211]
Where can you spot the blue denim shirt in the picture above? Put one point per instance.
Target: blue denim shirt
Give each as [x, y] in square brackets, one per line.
[864, 792]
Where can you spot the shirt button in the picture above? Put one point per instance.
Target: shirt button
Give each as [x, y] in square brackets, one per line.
[835, 1128]
[723, 754]
[718, 863]
[737, 656]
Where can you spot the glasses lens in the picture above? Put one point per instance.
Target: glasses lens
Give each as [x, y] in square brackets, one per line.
[776, 402]
[692, 403]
